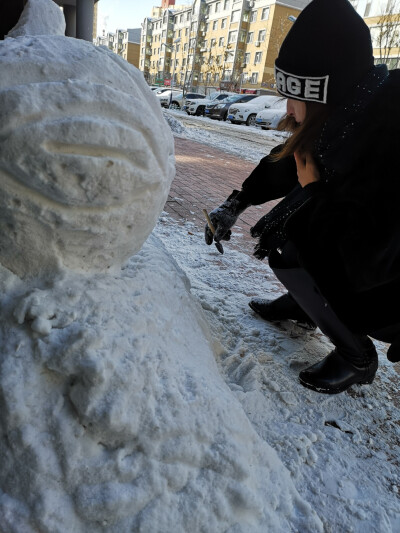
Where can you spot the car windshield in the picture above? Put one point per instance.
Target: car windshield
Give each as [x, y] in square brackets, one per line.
[233, 98]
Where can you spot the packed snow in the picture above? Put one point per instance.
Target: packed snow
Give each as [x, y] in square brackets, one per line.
[84, 174]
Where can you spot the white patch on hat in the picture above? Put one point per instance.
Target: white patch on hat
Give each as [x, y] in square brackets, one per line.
[309, 88]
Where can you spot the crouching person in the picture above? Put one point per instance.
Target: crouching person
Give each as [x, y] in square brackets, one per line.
[333, 241]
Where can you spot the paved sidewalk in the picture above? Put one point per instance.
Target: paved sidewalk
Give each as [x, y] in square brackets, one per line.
[205, 177]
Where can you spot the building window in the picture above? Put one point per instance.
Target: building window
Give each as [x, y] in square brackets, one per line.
[178, 47]
[265, 13]
[232, 37]
[242, 36]
[208, 79]
[254, 77]
[261, 35]
[247, 56]
[180, 18]
[221, 41]
[229, 56]
[250, 37]
[227, 75]
[186, 32]
[188, 15]
[223, 24]
[235, 16]
[216, 77]
[207, 27]
[201, 76]
[215, 25]
[253, 16]
[212, 43]
[192, 43]
[257, 57]
[185, 47]
[226, 4]
[179, 33]
[183, 61]
[193, 26]
[218, 7]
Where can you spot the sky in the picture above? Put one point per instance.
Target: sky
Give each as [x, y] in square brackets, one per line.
[123, 14]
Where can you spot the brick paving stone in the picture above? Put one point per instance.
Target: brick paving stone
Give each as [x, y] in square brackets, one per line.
[205, 176]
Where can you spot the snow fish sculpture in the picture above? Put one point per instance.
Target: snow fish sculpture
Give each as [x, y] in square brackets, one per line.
[113, 416]
[86, 159]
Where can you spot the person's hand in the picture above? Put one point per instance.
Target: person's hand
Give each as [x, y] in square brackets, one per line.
[307, 170]
[223, 218]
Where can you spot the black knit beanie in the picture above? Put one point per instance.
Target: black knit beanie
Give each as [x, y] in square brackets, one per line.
[326, 53]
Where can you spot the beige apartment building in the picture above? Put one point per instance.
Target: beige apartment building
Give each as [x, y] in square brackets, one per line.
[383, 19]
[230, 44]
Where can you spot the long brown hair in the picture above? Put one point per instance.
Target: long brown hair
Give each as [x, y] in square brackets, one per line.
[305, 134]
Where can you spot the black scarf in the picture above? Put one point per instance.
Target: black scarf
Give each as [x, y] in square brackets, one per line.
[337, 148]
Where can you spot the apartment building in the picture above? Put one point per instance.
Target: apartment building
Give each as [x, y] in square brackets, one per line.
[230, 44]
[125, 43]
[383, 19]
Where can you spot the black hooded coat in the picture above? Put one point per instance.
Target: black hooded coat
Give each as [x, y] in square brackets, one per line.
[347, 232]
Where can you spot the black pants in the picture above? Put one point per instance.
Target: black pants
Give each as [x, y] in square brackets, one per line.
[307, 294]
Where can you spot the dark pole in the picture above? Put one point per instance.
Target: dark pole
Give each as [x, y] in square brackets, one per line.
[10, 11]
[70, 20]
[84, 19]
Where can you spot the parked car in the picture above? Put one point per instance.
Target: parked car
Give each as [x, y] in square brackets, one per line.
[165, 96]
[219, 111]
[178, 100]
[269, 118]
[247, 112]
[159, 90]
[198, 107]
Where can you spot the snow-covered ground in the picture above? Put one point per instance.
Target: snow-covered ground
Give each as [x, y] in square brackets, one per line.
[247, 142]
[342, 451]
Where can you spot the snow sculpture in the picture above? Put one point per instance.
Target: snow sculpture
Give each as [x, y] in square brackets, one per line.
[113, 415]
[86, 159]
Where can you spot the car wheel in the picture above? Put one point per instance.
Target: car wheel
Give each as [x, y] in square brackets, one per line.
[174, 105]
[251, 120]
[200, 110]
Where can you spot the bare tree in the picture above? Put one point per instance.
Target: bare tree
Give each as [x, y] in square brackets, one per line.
[386, 35]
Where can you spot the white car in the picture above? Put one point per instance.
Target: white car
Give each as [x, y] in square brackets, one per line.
[178, 100]
[198, 107]
[165, 95]
[247, 112]
[269, 118]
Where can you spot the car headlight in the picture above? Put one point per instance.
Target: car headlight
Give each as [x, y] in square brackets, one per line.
[219, 106]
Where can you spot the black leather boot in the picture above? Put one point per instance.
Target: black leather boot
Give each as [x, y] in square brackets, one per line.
[337, 372]
[283, 308]
[354, 360]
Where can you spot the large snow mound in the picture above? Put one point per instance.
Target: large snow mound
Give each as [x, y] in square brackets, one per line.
[39, 17]
[86, 158]
[117, 418]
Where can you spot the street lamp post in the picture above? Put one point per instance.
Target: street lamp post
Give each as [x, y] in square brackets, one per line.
[173, 69]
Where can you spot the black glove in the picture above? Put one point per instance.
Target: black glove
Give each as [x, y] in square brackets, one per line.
[224, 217]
